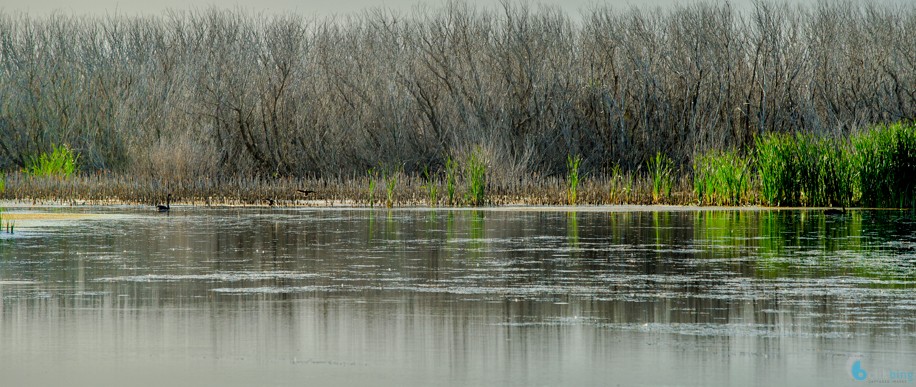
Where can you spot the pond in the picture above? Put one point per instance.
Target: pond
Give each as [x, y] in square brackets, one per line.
[509, 296]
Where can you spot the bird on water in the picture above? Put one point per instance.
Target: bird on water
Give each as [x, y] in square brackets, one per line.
[167, 206]
[834, 211]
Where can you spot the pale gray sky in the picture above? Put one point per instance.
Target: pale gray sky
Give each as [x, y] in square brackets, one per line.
[305, 7]
[332, 7]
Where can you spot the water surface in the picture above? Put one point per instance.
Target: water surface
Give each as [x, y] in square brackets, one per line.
[293, 297]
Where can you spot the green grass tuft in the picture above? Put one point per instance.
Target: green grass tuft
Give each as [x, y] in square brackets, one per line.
[885, 158]
[661, 170]
[476, 177]
[61, 162]
[721, 178]
[572, 179]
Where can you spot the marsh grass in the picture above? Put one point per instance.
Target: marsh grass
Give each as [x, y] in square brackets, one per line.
[661, 170]
[431, 187]
[61, 162]
[886, 161]
[721, 178]
[875, 167]
[572, 179]
[390, 176]
[620, 185]
[476, 178]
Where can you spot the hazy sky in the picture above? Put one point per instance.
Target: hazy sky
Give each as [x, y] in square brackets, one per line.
[305, 7]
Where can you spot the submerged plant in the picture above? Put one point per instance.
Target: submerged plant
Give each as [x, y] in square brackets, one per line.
[60, 162]
[661, 172]
[572, 179]
[476, 177]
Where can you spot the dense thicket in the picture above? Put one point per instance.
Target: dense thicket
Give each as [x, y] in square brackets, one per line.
[230, 93]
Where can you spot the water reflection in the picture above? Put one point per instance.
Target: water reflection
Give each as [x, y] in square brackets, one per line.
[472, 296]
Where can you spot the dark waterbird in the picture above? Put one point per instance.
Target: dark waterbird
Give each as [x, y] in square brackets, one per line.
[834, 211]
[167, 206]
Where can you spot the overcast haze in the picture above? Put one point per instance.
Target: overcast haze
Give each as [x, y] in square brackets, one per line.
[320, 8]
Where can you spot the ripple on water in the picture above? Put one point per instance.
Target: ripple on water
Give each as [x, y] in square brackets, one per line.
[215, 277]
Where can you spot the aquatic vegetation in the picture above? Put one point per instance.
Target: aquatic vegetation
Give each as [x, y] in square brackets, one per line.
[661, 172]
[431, 187]
[620, 185]
[61, 162]
[876, 167]
[572, 179]
[885, 159]
[391, 182]
[804, 169]
[721, 177]
[476, 178]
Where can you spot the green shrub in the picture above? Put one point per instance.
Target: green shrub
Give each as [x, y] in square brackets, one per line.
[721, 177]
[61, 162]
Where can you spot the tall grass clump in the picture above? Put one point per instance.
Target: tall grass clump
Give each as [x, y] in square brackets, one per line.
[61, 162]
[885, 158]
[620, 185]
[476, 178]
[661, 172]
[391, 182]
[721, 177]
[572, 179]
[432, 194]
[805, 169]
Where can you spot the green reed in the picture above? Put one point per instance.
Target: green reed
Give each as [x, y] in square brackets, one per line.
[885, 158]
[431, 187]
[476, 178]
[721, 177]
[391, 182]
[61, 162]
[661, 171]
[804, 169]
[572, 179]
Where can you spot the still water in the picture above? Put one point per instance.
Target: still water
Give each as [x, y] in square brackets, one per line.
[317, 297]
